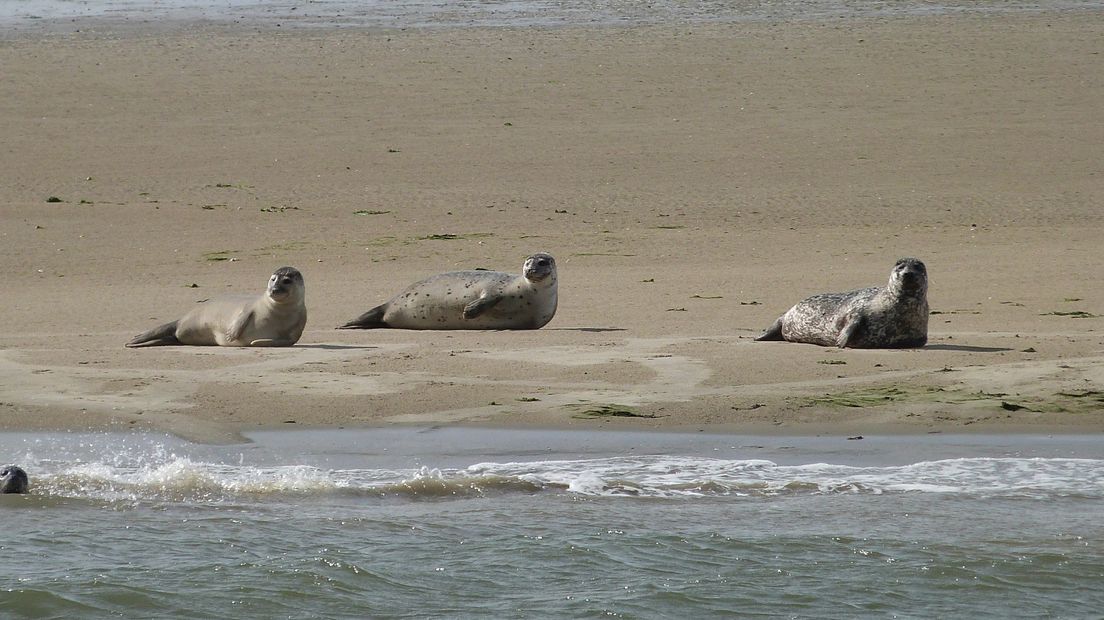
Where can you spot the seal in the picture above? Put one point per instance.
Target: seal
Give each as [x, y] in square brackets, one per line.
[273, 319]
[894, 316]
[471, 300]
[13, 479]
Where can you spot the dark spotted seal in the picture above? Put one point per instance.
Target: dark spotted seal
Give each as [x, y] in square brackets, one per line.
[895, 316]
[273, 319]
[472, 300]
[13, 479]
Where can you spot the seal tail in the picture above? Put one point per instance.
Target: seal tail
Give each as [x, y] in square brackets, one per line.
[373, 319]
[158, 336]
[772, 333]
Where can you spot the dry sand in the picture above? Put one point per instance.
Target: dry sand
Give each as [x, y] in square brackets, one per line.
[693, 183]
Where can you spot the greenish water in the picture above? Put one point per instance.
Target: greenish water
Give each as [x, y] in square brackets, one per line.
[472, 523]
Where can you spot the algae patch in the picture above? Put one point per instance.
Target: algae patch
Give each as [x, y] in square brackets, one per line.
[589, 412]
[1074, 402]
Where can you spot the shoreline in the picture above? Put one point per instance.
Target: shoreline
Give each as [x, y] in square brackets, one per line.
[109, 18]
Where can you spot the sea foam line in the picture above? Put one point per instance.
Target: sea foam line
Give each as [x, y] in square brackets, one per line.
[178, 478]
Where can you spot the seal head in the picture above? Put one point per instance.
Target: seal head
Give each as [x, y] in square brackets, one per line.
[13, 479]
[540, 268]
[909, 278]
[286, 284]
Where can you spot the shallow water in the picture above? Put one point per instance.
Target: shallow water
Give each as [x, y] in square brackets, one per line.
[481, 523]
[30, 15]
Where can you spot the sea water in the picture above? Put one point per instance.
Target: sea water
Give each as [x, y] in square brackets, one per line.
[479, 523]
[32, 15]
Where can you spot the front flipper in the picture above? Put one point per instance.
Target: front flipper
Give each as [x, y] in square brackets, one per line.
[481, 305]
[239, 325]
[854, 326]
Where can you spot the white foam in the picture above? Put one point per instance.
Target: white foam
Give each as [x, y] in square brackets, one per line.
[159, 474]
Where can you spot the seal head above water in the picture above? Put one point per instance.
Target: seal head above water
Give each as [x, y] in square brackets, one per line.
[275, 318]
[471, 300]
[894, 316]
[13, 479]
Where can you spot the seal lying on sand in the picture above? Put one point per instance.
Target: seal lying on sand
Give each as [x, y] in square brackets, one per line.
[871, 318]
[274, 319]
[13, 479]
[472, 300]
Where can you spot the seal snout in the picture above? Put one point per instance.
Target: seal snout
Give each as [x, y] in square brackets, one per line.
[911, 273]
[13, 479]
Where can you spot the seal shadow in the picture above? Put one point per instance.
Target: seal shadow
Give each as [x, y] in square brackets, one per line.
[967, 348]
[587, 329]
[335, 347]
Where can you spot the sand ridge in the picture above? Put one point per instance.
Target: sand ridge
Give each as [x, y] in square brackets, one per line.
[692, 183]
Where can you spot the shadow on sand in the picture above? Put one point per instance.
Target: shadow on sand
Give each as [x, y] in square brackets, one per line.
[335, 347]
[967, 348]
[587, 329]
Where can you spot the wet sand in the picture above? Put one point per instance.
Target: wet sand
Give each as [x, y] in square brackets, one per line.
[693, 183]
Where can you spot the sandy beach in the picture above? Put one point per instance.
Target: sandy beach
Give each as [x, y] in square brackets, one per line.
[693, 182]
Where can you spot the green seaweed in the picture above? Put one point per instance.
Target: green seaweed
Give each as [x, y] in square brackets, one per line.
[869, 397]
[1073, 314]
[453, 236]
[609, 411]
[241, 186]
[220, 255]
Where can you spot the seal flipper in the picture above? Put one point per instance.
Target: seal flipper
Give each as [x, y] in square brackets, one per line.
[162, 335]
[854, 328]
[372, 319]
[774, 332]
[241, 322]
[481, 305]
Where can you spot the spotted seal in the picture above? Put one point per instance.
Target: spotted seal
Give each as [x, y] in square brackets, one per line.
[13, 479]
[895, 316]
[471, 300]
[275, 318]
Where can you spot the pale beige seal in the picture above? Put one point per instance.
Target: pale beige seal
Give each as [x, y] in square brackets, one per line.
[894, 316]
[472, 300]
[274, 319]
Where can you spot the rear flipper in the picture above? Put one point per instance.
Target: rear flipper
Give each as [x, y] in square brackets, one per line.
[773, 333]
[163, 335]
[372, 319]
